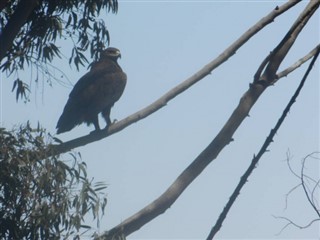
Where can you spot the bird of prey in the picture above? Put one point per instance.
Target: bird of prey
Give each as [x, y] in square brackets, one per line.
[94, 93]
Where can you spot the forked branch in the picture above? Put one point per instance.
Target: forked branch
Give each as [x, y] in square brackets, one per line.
[162, 203]
[256, 158]
[297, 64]
[162, 101]
[310, 188]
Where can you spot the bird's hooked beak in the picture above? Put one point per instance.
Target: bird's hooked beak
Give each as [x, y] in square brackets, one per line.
[119, 54]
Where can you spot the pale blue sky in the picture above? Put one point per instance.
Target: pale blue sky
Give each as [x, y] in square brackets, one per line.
[163, 43]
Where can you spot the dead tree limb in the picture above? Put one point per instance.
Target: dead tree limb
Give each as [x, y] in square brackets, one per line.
[224, 137]
[297, 64]
[256, 158]
[162, 101]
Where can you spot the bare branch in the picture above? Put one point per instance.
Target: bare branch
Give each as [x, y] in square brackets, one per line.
[295, 187]
[309, 194]
[263, 149]
[297, 64]
[288, 194]
[304, 186]
[279, 53]
[162, 203]
[312, 195]
[299, 176]
[162, 101]
[294, 224]
[291, 169]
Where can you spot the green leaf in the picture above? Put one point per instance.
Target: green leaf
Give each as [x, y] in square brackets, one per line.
[21, 89]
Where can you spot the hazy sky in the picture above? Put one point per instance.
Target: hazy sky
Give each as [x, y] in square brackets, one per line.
[162, 43]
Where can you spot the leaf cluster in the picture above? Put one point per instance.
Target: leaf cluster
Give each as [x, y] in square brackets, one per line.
[36, 43]
[47, 198]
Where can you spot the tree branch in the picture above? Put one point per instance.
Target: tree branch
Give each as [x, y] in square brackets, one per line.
[309, 198]
[309, 194]
[278, 54]
[162, 203]
[297, 64]
[296, 225]
[162, 101]
[12, 28]
[3, 4]
[263, 149]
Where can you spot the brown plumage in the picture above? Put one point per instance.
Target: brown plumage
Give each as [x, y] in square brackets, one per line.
[95, 92]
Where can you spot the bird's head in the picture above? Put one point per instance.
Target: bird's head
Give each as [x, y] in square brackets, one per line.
[111, 53]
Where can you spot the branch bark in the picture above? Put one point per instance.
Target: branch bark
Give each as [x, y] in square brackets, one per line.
[297, 64]
[263, 149]
[162, 101]
[12, 28]
[224, 137]
[3, 4]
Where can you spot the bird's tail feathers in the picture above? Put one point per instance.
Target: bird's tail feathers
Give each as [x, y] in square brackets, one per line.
[68, 120]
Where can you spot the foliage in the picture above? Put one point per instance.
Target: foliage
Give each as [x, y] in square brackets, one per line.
[43, 198]
[36, 46]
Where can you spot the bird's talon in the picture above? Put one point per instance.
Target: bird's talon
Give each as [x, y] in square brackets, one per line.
[95, 131]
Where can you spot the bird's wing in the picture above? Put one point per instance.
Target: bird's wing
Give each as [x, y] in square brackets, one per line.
[103, 70]
[85, 81]
[98, 89]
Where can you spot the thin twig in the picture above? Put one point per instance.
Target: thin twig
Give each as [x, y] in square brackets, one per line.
[313, 193]
[291, 169]
[305, 187]
[288, 194]
[295, 187]
[299, 176]
[309, 195]
[294, 224]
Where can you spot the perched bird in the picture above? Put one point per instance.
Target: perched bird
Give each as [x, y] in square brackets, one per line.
[95, 92]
